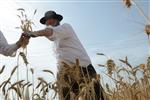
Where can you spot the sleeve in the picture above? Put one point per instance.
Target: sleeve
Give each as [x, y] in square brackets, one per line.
[59, 32]
[5, 48]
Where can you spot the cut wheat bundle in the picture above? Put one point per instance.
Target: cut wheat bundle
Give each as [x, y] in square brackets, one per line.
[26, 24]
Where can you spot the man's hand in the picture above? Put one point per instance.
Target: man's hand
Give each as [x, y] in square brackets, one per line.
[23, 41]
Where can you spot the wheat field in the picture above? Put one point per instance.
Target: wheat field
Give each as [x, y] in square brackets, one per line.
[129, 85]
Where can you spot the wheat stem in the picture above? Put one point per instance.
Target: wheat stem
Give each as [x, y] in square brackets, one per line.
[141, 12]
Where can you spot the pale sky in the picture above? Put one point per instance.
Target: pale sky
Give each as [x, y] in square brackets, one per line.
[104, 26]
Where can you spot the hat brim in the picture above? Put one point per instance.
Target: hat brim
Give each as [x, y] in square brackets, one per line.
[57, 16]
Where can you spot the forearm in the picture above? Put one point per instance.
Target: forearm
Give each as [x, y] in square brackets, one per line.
[5, 48]
[44, 32]
[9, 50]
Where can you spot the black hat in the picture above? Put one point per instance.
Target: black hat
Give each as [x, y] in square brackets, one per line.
[49, 15]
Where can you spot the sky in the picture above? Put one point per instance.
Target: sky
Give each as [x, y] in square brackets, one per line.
[104, 26]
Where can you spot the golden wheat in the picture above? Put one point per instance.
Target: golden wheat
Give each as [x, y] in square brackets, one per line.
[128, 84]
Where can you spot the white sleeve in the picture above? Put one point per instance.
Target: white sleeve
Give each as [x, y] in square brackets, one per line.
[5, 48]
[59, 32]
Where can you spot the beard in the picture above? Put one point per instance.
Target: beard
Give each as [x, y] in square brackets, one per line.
[55, 24]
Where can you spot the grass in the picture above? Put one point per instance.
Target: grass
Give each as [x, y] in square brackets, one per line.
[129, 84]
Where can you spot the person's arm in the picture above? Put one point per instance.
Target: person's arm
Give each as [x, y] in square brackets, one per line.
[5, 48]
[52, 33]
[45, 32]
[10, 49]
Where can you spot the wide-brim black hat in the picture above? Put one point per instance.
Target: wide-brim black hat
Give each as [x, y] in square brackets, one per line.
[49, 15]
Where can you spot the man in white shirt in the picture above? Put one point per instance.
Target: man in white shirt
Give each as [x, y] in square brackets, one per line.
[68, 48]
[10, 49]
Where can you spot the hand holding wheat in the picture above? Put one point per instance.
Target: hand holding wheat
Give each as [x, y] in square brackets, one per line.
[26, 25]
[23, 41]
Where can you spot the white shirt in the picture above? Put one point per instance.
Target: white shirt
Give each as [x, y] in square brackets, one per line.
[5, 48]
[67, 45]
